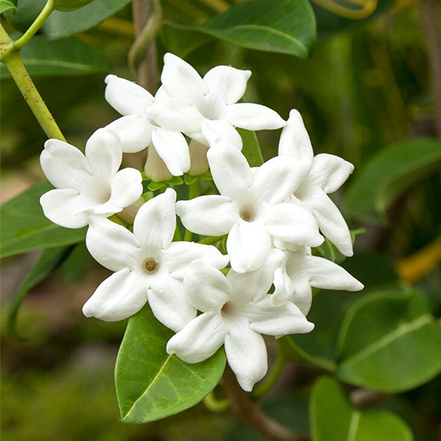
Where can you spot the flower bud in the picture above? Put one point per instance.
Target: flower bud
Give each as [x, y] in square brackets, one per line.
[155, 167]
[198, 158]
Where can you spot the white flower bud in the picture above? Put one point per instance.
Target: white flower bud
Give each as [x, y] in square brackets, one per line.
[155, 167]
[198, 158]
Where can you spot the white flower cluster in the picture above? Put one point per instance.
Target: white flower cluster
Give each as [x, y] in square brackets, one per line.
[272, 216]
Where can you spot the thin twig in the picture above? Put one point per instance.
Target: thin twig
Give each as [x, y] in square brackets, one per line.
[366, 397]
[251, 415]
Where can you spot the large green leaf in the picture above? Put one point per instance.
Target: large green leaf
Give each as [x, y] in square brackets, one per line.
[282, 26]
[62, 25]
[151, 384]
[5, 5]
[251, 148]
[333, 418]
[388, 174]
[389, 342]
[47, 262]
[70, 57]
[23, 226]
[70, 5]
[28, 11]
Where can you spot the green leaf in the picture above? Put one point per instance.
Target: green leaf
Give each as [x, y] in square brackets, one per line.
[389, 342]
[390, 173]
[61, 25]
[251, 148]
[47, 262]
[151, 384]
[70, 5]
[333, 418]
[24, 227]
[28, 11]
[282, 26]
[70, 57]
[329, 251]
[5, 5]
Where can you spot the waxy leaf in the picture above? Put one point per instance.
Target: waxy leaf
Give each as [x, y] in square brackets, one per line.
[390, 173]
[389, 342]
[70, 57]
[251, 148]
[24, 227]
[5, 5]
[150, 384]
[329, 251]
[70, 5]
[282, 26]
[28, 11]
[333, 418]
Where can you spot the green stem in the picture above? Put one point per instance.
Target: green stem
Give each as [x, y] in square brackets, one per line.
[215, 405]
[193, 193]
[11, 58]
[177, 236]
[263, 388]
[36, 25]
[211, 240]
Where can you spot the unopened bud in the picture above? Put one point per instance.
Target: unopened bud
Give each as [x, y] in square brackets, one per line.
[129, 213]
[198, 158]
[155, 167]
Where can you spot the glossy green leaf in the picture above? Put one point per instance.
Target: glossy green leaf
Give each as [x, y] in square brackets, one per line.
[333, 418]
[47, 262]
[61, 25]
[389, 174]
[151, 384]
[283, 26]
[329, 251]
[389, 342]
[70, 57]
[70, 5]
[28, 11]
[6, 5]
[251, 148]
[23, 226]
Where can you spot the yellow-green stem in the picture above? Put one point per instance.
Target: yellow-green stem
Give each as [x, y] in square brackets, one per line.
[193, 193]
[215, 405]
[263, 388]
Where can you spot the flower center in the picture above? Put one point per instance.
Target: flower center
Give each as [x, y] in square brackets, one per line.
[227, 308]
[151, 266]
[247, 214]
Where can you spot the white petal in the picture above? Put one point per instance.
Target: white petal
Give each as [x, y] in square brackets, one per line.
[208, 215]
[283, 292]
[278, 178]
[65, 166]
[231, 173]
[112, 245]
[246, 355]
[254, 285]
[248, 246]
[169, 303]
[291, 223]
[155, 222]
[217, 132]
[227, 85]
[173, 150]
[277, 320]
[302, 293]
[126, 187]
[329, 172]
[103, 151]
[294, 140]
[134, 131]
[181, 80]
[126, 97]
[66, 208]
[206, 287]
[199, 340]
[120, 296]
[180, 255]
[252, 117]
[155, 167]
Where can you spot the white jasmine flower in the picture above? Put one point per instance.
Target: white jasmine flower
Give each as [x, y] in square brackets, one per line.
[251, 207]
[300, 271]
[87, 184]
[236, 310]
[147, 265]
[327, 174]
[137, 131]
[208, 103]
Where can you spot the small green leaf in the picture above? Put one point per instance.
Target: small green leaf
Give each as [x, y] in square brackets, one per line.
[151, 384]
[61, 25]
[5, 5]
[282, 26]
[389, 342]
[47, 262]
[189, 179]
[24, 227]
[333, 418]
[70, 5]
[70, 57]
[251, 148]
[390, 173]
[329, 251]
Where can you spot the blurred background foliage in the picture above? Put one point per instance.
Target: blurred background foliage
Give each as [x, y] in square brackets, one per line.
[366, 93]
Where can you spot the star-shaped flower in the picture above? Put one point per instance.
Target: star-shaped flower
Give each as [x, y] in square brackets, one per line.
[327, 174]
[196, 104]
[300, 271]
[147, 265]
[236, 311]
[87, 184]
[251, 207]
